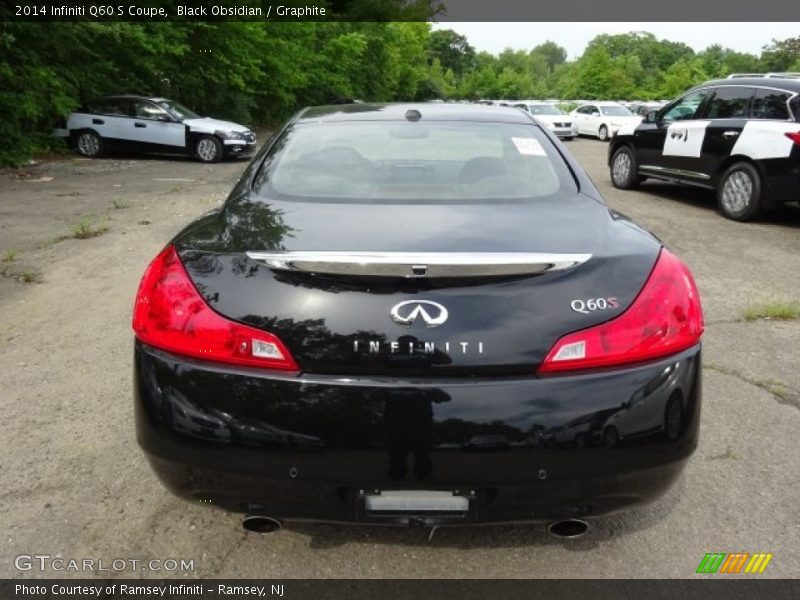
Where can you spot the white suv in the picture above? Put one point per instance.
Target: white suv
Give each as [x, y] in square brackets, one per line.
[156, 125]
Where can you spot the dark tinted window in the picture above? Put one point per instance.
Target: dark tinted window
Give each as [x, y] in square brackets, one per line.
[684, 108]
[445, 161]
[113, 106]
[794, 104]
[770, 104]
[729, 103]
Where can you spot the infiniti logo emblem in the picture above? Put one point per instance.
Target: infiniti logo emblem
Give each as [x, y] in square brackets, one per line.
[432, 313]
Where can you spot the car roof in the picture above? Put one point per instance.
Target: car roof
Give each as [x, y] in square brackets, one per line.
[429, 112]
[790, 85]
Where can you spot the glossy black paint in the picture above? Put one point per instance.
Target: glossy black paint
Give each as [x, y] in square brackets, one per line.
[304, 446]
[319, 318]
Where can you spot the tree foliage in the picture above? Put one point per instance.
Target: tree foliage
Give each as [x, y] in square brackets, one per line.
[259, 73]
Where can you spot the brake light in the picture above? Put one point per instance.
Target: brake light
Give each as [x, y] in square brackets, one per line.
[171, 315]
[795, 137]
[665, 318]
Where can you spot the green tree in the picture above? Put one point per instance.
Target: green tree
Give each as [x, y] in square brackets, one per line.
[453, 51]
[781, 55]
[553, 54]
[683, 74]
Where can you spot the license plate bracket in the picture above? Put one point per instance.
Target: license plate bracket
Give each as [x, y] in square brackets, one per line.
[416, 507]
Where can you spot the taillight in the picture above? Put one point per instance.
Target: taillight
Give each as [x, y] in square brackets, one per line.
[170, 314]
[665, 318]
[795, 137]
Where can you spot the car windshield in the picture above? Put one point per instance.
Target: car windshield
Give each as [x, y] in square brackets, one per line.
[544, 109]
[177, 110]
[616, 111]
[435, 161]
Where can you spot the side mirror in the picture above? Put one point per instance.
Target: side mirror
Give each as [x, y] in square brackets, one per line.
[650, 117]
[595, 114]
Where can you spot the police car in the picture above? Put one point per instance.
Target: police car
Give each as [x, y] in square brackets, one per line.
[739, 136]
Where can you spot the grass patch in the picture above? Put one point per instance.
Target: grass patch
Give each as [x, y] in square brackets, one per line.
[23, 276]
[778, 310]
[29, 277]
[9, 256]
[729, 454]
[85, 229]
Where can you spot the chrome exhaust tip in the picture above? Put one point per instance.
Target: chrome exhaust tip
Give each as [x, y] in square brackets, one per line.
[261, 524]
[568, 529]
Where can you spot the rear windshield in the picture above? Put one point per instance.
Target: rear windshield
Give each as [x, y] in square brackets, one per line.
[440, 161]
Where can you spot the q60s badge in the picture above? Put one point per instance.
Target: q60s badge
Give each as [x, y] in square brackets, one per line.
[592, 304]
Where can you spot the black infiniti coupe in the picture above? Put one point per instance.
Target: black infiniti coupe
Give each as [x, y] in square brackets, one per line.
[421, 315]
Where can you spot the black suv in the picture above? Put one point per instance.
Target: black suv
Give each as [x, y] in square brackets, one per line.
[739, 136]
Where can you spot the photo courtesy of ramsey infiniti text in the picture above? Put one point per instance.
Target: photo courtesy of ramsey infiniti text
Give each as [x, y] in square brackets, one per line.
[417, 315]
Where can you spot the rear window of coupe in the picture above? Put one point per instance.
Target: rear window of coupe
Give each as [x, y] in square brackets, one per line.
[421, 161]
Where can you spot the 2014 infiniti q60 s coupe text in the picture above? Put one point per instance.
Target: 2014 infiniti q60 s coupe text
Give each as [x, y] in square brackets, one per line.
[416, 314]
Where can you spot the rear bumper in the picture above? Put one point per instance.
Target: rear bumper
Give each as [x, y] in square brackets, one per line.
[312, 447]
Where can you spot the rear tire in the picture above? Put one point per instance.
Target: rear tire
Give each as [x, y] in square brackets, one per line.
[208, 149]
[602, 133]
[739, 192]
[89, 144]
[624, 169]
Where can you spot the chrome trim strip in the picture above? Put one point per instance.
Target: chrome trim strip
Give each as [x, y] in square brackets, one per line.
[419, 264]
[676, 172]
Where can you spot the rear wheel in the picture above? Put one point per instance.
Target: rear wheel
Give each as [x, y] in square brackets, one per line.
[739, 192]
[88, 143]
[208, 149]
[624, 167]
[602, 133]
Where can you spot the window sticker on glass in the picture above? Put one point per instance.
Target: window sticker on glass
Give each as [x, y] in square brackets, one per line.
[529, 146]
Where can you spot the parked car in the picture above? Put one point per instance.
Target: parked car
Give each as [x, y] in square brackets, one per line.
[602, 119]
[555, 119]
[640, 109]
[387, 277]
[150, 124]
[738, 136]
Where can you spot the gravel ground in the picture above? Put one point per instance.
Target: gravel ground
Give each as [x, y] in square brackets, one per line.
[74, 484]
